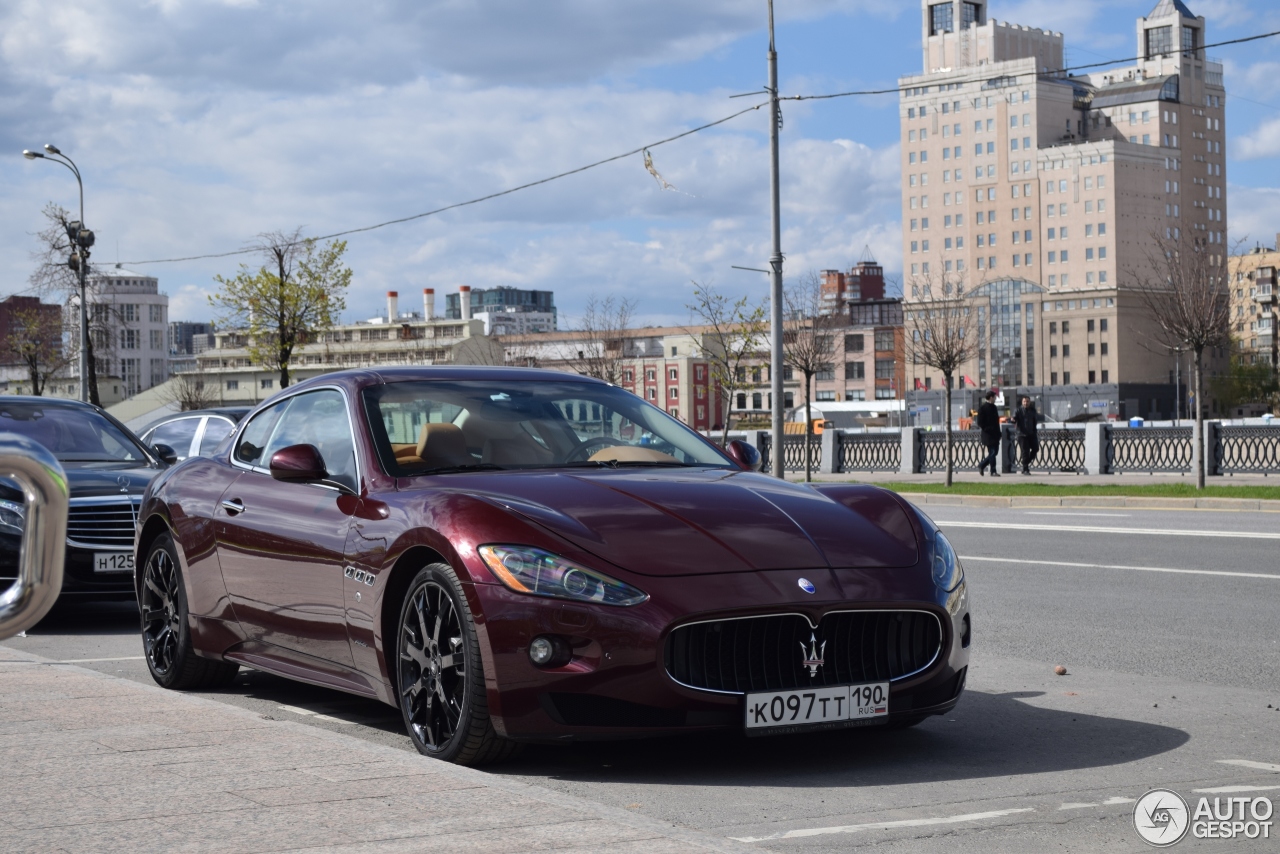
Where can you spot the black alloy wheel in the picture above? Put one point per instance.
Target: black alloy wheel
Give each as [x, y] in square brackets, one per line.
[166, 633]
[440, 677]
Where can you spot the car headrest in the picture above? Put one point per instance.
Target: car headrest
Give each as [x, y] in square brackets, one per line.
[443, 445]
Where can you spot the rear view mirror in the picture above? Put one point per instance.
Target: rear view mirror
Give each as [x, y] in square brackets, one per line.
[167, 455]
[298, 464]
[746, 456]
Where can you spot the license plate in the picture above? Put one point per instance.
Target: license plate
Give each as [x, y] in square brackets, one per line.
[113, 562]
[833, 705]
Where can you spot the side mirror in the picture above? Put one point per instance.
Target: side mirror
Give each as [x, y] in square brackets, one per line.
[298, 463]
[167, 455]
[746, 456]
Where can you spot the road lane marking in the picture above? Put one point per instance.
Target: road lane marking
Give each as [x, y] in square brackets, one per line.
[1226, 790]
[93, 660]
[1098, 515]
[1272, 577]
[1090, 529]
[315, 716]
[1257, 766]
[884, 825]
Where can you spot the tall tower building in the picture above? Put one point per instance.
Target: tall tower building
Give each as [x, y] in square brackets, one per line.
[1042, 194]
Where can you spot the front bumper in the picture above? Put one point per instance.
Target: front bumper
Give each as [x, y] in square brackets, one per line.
[617, 685]
[79, 578]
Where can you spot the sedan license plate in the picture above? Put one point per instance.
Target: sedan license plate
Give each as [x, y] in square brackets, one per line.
[779, 710]
[113, 562]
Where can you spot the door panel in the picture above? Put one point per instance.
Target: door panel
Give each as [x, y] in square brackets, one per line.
[282, 560]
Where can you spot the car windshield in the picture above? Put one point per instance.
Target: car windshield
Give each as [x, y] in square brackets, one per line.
[74, 434]
[440, 426]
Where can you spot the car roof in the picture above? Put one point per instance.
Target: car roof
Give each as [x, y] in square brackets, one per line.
[47, 401]
[361, 377]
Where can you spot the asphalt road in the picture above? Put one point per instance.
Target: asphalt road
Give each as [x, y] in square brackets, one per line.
[1165, 620]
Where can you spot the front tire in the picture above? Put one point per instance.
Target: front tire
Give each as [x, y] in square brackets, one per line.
[166, 629]
[440, 674]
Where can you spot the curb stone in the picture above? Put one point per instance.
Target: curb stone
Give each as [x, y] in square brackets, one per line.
[1105, 501]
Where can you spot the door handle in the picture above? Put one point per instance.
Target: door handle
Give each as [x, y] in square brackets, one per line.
[233, 506]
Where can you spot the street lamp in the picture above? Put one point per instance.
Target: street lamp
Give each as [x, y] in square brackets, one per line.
[81, 240]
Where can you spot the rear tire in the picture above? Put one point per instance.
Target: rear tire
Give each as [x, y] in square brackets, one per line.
[440, 675]
[166, 627]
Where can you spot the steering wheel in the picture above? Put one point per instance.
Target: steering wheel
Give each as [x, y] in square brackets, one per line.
[596, 442]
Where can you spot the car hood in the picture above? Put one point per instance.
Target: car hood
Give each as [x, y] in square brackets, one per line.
[696, 521]
[95, 479]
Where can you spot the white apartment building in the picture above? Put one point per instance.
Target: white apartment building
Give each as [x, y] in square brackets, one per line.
[394, 339]
[1042, 193]
[129, 321]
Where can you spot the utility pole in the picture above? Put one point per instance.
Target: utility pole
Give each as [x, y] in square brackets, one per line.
[775, 259]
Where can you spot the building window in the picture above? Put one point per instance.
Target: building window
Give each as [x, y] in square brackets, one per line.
[1106, 377]
[129, 339]
[942, 19]
[652, 394]
[1104, 350]
[855, 370]
[233, 385]
[826, 372]
[673, 393]
[824, 396]
[884, 340]
[650, 375]
[673, 374]
[1053, 378]
[757, 401]
[157, 313]
[855, 395]
[266, 383]
[853, 343]
[628, 376]
[675, 413]
[129, 312]
[1066, 378]
[699, 373]
[884, 369]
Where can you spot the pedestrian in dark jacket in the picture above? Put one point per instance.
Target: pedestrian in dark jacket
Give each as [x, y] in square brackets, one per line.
[989, 424]
[1025, 418]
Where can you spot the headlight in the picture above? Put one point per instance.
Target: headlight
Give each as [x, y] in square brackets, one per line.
[541, 573]
[12, 517]
[947, 571]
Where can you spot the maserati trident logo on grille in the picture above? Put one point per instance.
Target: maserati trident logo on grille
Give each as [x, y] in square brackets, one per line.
[812, 657]
[807, 586]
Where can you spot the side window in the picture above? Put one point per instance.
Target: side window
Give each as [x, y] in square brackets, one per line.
[256, 434]
[318, 418]
[176, 434]
[215, 430]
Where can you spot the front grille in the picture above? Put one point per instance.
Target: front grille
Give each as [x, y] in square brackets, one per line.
[102, 524]
[768, 653]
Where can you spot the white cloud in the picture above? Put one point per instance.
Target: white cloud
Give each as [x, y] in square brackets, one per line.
[1255, 215]
[1263, 141]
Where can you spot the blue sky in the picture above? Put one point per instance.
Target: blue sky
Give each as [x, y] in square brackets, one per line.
[200, 123]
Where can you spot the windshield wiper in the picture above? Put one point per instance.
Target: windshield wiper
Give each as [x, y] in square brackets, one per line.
[463, 468]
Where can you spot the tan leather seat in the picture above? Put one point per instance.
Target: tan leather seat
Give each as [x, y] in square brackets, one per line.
[443, 445]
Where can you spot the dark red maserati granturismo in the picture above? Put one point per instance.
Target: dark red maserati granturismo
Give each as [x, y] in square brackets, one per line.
[514, 555]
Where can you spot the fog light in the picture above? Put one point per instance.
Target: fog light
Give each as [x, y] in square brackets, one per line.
[549, 651]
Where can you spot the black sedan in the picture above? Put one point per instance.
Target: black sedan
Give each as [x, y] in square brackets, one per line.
[107, 471]
[195, 433]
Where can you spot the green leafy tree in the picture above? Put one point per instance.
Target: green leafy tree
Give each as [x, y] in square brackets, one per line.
[291, 300]
[1244, 383]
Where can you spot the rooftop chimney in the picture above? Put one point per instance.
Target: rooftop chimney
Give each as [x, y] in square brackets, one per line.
[428, 303]
[464, 300]
[393, 306]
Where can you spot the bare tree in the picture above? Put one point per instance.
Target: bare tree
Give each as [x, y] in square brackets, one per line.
[189, 392]
[808, 343]
[292, 300]
[940, 336]
[55, 278]
[1184, 287]
[600, 351]
[738, 331]
[34, 340]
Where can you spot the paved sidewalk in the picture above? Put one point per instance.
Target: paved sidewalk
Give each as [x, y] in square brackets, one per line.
[94, 763]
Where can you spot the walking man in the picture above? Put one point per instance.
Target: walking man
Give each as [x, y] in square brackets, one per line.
[989, 424]
[1025, 418]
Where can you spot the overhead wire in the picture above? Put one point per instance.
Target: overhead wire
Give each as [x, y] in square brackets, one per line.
[642, 149]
